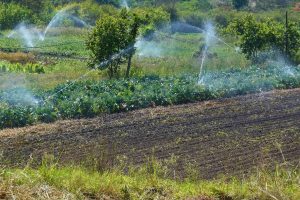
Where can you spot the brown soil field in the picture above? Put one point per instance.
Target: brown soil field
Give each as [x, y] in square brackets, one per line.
[226, 136]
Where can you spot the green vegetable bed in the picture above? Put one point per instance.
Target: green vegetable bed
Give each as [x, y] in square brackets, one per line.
[20, 107]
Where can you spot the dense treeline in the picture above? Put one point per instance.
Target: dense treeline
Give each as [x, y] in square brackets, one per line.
[13, 12]
[40, 12]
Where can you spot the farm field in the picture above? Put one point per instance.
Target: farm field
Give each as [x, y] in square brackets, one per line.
[221, 137]
[150, 100]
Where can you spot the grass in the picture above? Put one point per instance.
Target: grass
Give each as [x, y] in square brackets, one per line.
[59, 42]
[56, 72]
[178, 54]
[49, 181]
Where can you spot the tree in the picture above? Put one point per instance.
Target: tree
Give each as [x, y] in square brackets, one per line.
[36, 11]
[170, 6]
[258, 36]
[112, 41]
[11, 14]
[252, 35]
[134, 24]
[238, 4]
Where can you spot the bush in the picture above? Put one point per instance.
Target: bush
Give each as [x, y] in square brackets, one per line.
[11, 14]
[91, 11]
[265, 35]
[195, 20]
[221, 20]
[155, 17]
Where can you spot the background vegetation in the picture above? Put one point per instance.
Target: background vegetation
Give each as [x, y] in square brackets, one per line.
[59, 79]
[40, 73]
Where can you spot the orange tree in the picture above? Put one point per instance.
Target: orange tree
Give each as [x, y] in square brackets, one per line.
[112, 41]
[256, 36]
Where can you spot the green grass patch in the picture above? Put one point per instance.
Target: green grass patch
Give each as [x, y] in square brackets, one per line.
[54, 182]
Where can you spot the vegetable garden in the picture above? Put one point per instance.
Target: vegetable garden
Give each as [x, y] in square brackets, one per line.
[77, 99]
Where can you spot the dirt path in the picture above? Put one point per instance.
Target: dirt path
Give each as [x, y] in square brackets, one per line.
[227, 136]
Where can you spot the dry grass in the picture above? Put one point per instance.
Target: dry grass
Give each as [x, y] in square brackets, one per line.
[10, 191]
[18, 57]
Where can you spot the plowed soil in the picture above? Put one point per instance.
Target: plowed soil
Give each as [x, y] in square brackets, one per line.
[226, 136]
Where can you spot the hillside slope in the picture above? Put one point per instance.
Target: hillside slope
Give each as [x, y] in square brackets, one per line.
[227, 136]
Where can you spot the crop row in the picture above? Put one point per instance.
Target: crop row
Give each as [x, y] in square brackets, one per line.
[26, 68]
[20, 107]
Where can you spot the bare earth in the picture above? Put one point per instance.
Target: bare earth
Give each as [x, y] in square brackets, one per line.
[227, 136]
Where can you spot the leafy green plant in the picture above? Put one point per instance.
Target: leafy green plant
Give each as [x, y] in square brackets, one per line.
[79, 99]
[27, 68]
[258, 36]
[11, 14]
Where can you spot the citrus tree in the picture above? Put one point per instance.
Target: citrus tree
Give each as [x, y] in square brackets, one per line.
[112, 41]
[256, 36]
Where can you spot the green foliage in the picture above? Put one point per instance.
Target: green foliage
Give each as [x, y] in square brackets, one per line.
[77, 182]
[197, 20]
[170, 7]
[112, 41]
[12, 14]
[157, 17]
[151, 19]
[91, 98]
[27, 68]
[271, 4]
[264, 35]
[203, 5]
[221, 20]
[91, 11]
[238, 4]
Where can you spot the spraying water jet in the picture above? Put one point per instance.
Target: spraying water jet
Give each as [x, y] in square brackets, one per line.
[210, 35]
[124, 4]
[29, 33]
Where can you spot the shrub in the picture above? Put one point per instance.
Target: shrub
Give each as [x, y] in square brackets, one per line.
[195, 20]
[91, 11]
[264, 35]
[221, 20]
[11, 14]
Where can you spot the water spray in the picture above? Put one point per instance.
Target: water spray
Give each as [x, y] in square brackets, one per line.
[191, 28]
[210, 34]
[102, 64]
[124, 4]
[29, 33]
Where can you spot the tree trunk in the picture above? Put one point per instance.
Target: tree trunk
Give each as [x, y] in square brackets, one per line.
[128, 66]
[110, 71]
